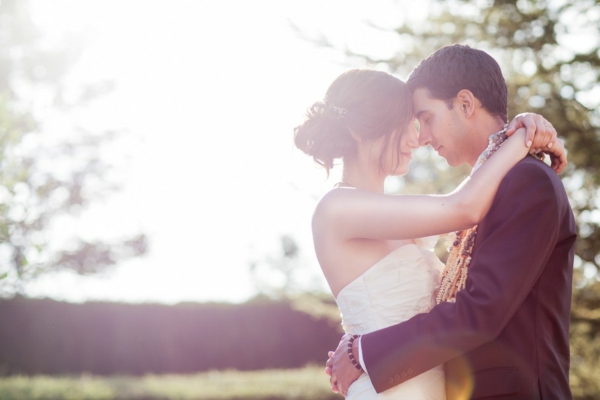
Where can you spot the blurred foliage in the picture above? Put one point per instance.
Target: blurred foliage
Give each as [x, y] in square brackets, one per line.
[549, 52]
[46, 337]
[308, 383]
[45, 178]
[278, 278]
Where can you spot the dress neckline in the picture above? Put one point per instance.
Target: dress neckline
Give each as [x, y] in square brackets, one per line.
[343, 184]
[393, 252]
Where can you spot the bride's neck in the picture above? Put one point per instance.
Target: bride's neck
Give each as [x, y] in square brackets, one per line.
[359, 176]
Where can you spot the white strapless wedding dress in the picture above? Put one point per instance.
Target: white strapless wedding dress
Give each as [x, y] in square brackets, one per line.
[396, 288]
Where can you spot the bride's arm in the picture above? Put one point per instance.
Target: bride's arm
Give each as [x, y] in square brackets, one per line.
[354, 214]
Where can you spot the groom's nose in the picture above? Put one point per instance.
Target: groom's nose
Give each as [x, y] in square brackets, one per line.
[424, 138]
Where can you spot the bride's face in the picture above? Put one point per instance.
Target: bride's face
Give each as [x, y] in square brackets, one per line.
[398, 159]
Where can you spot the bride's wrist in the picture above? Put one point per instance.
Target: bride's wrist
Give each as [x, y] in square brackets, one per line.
[352, 350]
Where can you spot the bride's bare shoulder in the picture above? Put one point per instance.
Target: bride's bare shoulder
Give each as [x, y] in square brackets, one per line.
[331, 204]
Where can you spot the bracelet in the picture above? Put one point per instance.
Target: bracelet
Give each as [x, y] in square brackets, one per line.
[351, 354]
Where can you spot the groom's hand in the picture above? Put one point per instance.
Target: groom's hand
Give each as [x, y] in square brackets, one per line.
[342, 372]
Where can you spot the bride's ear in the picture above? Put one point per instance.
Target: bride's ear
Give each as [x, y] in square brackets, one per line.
[357, 137]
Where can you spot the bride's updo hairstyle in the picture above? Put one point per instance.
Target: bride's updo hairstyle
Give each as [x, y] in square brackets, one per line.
[367, 103]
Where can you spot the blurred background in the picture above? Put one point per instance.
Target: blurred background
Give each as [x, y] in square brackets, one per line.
[155, 216]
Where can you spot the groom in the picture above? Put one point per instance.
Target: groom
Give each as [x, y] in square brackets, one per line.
[506, 334]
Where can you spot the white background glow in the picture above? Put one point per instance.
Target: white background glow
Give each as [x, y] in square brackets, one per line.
[207, 93]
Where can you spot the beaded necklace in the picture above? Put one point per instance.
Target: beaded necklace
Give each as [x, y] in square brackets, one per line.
[455, 272]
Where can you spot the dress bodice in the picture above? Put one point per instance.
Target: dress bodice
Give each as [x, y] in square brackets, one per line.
[397, 287]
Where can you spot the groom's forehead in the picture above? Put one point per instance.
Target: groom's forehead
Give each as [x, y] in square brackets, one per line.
[422, 101]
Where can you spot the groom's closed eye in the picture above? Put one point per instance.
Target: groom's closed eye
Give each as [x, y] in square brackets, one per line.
[423, 117]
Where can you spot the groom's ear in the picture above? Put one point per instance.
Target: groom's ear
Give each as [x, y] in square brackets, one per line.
[466, 102]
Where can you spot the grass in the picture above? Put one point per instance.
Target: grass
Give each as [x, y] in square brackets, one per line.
[297, 384]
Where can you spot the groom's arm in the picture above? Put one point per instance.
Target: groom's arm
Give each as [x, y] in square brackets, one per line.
[524, 223]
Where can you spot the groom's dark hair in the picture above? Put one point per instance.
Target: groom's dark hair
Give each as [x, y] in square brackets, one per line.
[455, 67]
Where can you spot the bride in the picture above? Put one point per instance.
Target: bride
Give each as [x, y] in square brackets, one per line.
[368, 243]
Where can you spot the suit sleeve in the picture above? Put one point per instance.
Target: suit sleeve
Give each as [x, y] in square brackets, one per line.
[521, 229]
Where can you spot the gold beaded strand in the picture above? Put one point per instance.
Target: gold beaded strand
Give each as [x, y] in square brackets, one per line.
[455, 272]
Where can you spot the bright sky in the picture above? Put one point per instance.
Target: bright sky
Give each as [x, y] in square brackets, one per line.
[208, 93]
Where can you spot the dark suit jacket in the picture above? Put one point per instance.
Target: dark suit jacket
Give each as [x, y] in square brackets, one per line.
[507, 335]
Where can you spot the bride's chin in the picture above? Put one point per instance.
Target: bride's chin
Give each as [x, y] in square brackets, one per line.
[401, 171]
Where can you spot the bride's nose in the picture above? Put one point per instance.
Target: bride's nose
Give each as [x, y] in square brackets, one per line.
[413, 139]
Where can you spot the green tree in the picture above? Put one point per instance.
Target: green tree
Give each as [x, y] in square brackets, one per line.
[45, 179]
[549, 52]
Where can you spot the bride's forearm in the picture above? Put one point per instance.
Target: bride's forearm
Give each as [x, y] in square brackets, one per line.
[355, 213]
[476, 194]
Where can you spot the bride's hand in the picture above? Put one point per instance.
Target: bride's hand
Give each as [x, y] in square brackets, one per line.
[339, 368]
[540, 132]
[540, 137]
[558, 156]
